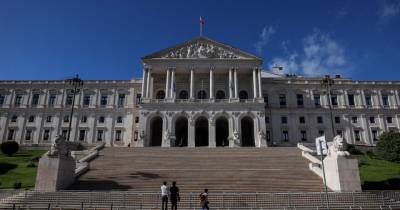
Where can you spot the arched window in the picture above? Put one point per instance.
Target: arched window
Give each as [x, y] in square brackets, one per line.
[220, 94]
[243, 95]
[160, 94]
[202, 94]
[183, 94]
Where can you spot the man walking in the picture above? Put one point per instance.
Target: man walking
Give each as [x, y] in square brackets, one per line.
[204, 200]
[174, 196]
[164, 196]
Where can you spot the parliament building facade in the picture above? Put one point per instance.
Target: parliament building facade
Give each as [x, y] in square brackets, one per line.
[200, 93]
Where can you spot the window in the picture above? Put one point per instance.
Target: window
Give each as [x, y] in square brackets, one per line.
[66, 118]
[302, 120]
[48, 118]
[28, 135]
[266, 120]
[184, 94]
[334, 100]
[202, 94]
[46, 134]
[84, 119]
[337, 120]
[220, 94]
[266, 101]
[86, 100]
[14, 118]
[354, 119]
[372, 119]
[100, 134]
[368, 100]
[374, 135]
[35, 99]
[300, 102]
[282, 100]
[317, 100]
[121, 100]
[119, 119]
[350, 97]
[82, 134]
[31, 119]
[135, 136]
[339, 132]
[283, 119]
[160, 94]
[18, 100]
[320, 120]
[385, 100]
[136, 119]
[118, 135]
[2, 99]
[303, 134]
[389, 120]
[103, 100]
[69, 99]
[52, 100]
[357, 135]
[10, 134]
[64, 133]
[285, 135]
[321, 132]
[268, 136]
[243, 95]
[101, 119]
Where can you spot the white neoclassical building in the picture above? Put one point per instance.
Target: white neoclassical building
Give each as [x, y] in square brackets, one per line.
[200, 93]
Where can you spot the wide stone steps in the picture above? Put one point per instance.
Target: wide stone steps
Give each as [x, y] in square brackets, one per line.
[218, 169]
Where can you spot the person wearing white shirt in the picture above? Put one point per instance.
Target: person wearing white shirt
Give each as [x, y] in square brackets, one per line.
[164, 196]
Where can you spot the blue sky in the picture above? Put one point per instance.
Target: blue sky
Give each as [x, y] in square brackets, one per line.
[105, 39]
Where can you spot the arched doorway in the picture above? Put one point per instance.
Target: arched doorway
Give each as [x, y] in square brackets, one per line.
[221, 132]
[220, 94]
[247, 130]
[160, 94]
[243, 95]
[201, 132]
[156, 131]
[181, 132]
[202, 94]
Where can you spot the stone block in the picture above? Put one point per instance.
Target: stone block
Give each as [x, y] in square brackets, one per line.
[342, 174]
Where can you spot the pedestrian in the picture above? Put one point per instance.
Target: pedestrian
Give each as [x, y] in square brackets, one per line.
[164, 196]
[174, 196]
[204, 200]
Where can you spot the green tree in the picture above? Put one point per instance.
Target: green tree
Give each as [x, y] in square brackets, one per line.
[9, 148]
[388, 146]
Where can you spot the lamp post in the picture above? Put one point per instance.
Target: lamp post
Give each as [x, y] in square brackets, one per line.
[75, 82]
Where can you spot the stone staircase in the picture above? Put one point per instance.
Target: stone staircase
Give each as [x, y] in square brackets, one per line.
[278, 169]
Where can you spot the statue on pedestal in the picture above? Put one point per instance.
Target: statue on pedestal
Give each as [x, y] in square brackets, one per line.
[337, 147]
[60, 148]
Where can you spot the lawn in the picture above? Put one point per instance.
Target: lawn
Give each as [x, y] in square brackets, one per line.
[379, 174]
[16, 169]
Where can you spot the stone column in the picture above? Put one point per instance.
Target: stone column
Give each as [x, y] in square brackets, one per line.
[148, 83]
[363, 101]
[211, 134]
[191, 132]
[236, 86]
[211, 83]
[230, 84]
[144, 83]
[172, 95]
[167, 85]
[260, 95]
[254, 83]
[191, 83]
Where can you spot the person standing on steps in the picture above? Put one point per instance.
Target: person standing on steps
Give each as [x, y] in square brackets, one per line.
[204, 200]
[174, 196]
[164, 196]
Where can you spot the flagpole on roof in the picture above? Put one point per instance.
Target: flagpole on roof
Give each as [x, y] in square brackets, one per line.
[201, 21]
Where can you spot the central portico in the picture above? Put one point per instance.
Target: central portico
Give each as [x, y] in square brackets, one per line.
[202, 93]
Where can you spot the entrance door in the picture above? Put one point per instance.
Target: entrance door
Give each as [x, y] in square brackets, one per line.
[221, 132]
[201, 132]
[181, 132]
[156, 131]
[247, 126]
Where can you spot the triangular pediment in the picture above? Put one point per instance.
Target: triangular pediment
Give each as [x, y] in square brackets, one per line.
[201, 48]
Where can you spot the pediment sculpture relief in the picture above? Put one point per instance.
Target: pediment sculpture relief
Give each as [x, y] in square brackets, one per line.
[202, 50]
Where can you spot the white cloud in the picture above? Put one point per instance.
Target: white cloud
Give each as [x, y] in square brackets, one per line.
[388, 11]
[265, 37]
[320, 55]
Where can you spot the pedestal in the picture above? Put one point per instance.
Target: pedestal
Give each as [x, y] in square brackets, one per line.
[342, 174]
[55, 173]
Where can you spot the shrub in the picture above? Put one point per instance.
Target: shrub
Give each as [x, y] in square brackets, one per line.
[9, 148]
[17, 185]
[388, 146]
[353, 150]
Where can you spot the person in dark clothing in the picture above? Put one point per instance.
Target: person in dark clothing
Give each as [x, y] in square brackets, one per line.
[174, 196]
